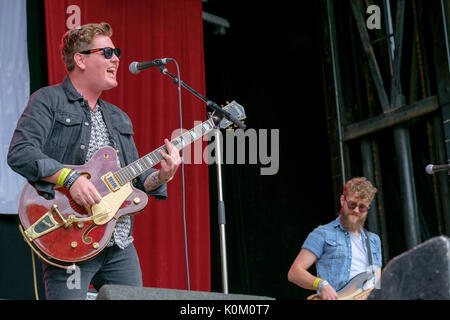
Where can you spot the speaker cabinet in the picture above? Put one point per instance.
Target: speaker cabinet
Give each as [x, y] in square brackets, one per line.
[421, 273]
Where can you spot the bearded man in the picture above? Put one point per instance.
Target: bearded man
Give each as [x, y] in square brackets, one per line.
[341, 249]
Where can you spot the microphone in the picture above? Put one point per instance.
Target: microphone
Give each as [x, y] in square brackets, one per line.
[432, 168]
[136, 67]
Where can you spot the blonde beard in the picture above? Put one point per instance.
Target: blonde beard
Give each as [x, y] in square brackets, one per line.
[352, 226]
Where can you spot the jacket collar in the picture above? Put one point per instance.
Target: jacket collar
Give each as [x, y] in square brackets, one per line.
[70, 90]
[74, 95]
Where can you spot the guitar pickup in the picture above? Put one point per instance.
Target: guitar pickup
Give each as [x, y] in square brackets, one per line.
[111, 182]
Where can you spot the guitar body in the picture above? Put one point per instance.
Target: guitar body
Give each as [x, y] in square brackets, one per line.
[80, 237]
[353, 290]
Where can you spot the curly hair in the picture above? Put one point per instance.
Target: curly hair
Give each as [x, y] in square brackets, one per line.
[79, 39]
[361, 188]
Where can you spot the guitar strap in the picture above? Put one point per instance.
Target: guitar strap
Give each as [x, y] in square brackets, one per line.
[369, 252]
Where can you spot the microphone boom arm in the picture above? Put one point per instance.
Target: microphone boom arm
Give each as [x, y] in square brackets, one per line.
[209, 103]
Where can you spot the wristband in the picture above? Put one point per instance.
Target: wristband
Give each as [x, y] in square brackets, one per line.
[70, 181]
[315, 283]
[163, 181]
[62, 176]
[72, 172]
[321, 285]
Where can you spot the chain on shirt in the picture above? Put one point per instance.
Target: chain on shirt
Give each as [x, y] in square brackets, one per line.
[100, 139]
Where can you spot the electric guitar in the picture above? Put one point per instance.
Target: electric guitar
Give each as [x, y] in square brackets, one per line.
[353, 290]
[62, 232]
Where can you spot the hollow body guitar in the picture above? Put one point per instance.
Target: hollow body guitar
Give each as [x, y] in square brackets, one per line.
[62, 232]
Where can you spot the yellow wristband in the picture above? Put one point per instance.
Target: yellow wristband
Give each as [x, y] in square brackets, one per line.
[62, 176]
[316, 282]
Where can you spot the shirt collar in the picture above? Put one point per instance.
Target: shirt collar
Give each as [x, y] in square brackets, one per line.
[97, 108]
[337, 223]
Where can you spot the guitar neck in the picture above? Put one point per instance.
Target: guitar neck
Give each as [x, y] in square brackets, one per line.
[138, 167]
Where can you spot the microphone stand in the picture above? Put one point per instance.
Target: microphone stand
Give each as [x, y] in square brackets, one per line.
[220, 204]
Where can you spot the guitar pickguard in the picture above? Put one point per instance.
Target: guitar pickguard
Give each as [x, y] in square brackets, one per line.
[110, 204]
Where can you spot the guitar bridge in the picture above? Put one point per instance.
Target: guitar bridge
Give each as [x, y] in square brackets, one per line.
[111, 182]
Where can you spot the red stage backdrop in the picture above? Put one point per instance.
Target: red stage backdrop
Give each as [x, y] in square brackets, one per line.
[146, 30]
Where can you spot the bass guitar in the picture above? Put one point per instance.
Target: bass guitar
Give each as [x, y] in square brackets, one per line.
[63, 233]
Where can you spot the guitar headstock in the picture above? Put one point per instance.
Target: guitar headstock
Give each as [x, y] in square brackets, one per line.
[234, 109]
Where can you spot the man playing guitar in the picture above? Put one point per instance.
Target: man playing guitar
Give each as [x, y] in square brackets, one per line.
[66, 124]
[341, 249]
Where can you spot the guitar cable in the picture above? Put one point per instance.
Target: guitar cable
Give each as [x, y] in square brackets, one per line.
[34, 275]
[182, 178]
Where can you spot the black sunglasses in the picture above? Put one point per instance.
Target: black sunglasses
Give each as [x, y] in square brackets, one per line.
[107, 51]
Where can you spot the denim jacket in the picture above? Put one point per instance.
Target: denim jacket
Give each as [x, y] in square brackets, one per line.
[55, 129]
[332, 246]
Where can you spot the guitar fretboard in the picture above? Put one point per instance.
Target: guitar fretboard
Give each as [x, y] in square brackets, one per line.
[136, 168]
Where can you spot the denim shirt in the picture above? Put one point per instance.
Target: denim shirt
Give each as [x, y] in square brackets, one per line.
[332, 246]
[55, 129]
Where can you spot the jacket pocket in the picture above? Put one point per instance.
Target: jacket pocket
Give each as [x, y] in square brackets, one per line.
[66, 129]
[125, 129]
[124, 137]
[124, 132]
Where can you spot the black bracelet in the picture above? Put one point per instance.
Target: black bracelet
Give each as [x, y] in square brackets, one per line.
[71, 173]
[71, 179]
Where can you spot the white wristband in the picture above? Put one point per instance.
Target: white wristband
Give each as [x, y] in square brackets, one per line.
[321, 285]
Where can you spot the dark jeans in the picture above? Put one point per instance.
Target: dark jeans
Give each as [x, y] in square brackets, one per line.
[112, 266]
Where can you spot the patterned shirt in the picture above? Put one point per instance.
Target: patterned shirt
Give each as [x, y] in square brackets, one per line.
[99, 139]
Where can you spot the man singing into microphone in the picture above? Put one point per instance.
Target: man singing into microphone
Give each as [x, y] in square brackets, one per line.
[342, 248]
[66, 124]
